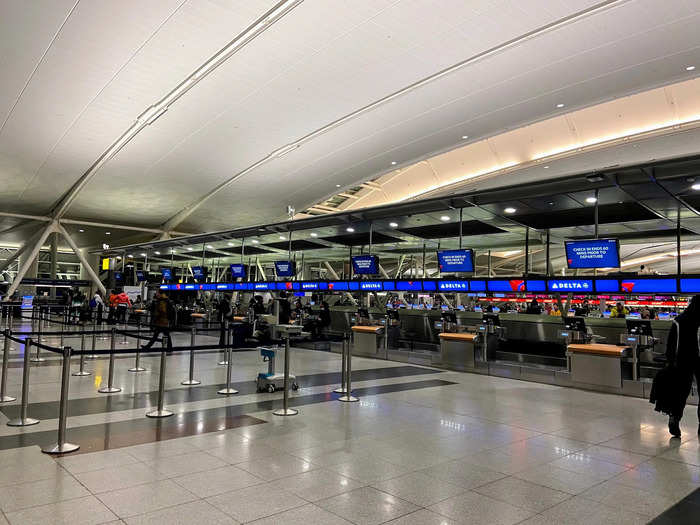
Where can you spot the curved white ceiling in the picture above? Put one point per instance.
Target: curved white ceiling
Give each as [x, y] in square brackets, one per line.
[80, 74]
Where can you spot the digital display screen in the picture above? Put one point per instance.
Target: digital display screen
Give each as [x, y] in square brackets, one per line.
[198, 272]
[140, 276]
[536, 286]
[353, 285]
[237, 270]
[690, 285]
[453, 286]
[167, 273]
[241, 286]
[118, 276]
[594, 253]
[310, 286]
[512, 285]
[371, 285]
[388, 286]
[365, 264]
[570, 285]
[409, 286]
[607, 285]
[429, 286]
[284, 269]
[338, 285]
[456, 261]
[477, 286]
[664, 316]
[224, 286]
[263, 286]
[648, 285]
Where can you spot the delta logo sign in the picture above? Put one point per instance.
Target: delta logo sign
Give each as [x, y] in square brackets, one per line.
[287, 286]
[517, 285]
[627, 286]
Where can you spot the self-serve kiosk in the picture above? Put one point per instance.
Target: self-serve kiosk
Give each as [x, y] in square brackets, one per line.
[457, 348]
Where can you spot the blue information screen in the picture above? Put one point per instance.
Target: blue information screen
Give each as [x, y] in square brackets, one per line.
[237, 270]
[570, 285]
[310, 286]
[690, 285]
[512, 285]
[140, 276]
[284, 268]
[456, 261]
[353, 285]
[648, 285]
[167, 273]
[263, 286]
[595, 253]
[198, 272]
[337, 285]
[119, 276]
[429, 286]
[224, 286]
[241, 286]
[388, 286]
[453, 286]
[607, 285]
[536, 286]
[477, 286]
[409, 286]
[371, 285]
[365, 264]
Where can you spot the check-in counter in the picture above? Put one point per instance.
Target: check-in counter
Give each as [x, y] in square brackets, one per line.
[366, 340]
[597, 364]
[457, 350]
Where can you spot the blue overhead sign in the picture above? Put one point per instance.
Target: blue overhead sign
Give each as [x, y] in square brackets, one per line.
[371, 286]
[456, 261]
[237, 271]
[365, 264]
[284, 268]
[607, 285]
[570, 285]
[648, 285]
[453, 286]
[594, 253]
[409, 286]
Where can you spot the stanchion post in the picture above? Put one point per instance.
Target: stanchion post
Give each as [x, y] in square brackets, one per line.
[227, 390]
[137, 361]
[5, 359]
[342, 390]
[61, 446]
[94, 338]
[24, 420]
[161, 411]
[348, 397]
[226, 342]
[285, 410]
[82, 371]
[190, 378]
[38, 358]
[110, 389]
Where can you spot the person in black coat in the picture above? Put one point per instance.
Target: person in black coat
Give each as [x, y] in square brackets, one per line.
[682, 353]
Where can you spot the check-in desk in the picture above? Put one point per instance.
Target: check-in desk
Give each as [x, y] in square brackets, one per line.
[367, 339]
[457, 350]
[597, 364]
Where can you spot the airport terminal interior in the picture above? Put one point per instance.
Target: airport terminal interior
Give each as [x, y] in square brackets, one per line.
[425, 262]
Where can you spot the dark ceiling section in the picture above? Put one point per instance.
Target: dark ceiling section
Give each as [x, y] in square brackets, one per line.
[175, 257]
[647, 234]
[248, 250]
[443, 231]
[693, 200]
[296, 245]
[607, 214]
[361, 239]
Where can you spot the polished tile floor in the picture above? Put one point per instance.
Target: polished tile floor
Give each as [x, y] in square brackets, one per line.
[421, 447]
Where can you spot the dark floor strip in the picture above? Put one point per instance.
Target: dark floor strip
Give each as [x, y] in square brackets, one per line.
[114, 403]
[92, 438]
[685, 512]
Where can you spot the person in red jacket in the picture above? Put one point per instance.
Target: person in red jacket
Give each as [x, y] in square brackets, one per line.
[123, 304]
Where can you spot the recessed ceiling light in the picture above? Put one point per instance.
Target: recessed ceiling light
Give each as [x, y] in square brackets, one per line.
[560, 105]
[551, 203]
[444, 218]
[510, 210]
[393, 224]
[283, 238]
[157, 253]
[108, 233]
[393, 163]
[314, 234]
[591, 200]
[465, 137]
[337, 185]
[230, 243]
[696, 187]
[255, 241]
[190, 249]
[690, 68]
[131, 256]
[210, 246]
[81, 231]
[143, 255]
[546, 167]
[349, 229]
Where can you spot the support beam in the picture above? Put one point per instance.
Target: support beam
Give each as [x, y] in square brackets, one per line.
[260, 268]
[95, 278]
[24, 268]
[335, 276]
[30, 242]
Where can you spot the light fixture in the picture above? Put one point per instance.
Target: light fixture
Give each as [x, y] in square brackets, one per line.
[130, 256]
[546, 167]
[560, 105]
[255, 241]
[189, 249]
[510, 210]
[314, 234]
[230, 243]
[393, 224]
[349, 229]
[108, 233]
[444, 218]
[157, 253]
[210, 246]
[81, 231]
[696, 186]
[143, 255]
[465, 137]
[393, 163]
[591, 200]
[337, 185]
[283, 238]
[595, 177]
[690, 68]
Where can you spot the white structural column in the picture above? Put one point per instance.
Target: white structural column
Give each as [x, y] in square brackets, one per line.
[18, 253]
[335, 276]
[24, 267]
[95, 278]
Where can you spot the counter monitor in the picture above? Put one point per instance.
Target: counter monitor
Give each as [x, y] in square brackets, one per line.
[639, 326]
[593, 253]
[456, 261]
[237, 271]
[285, 268]
[365, 264]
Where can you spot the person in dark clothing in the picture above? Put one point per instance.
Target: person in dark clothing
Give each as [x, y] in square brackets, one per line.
[224, 314]
[285, 309]
[258, 305]
[682, 352]
[162, 317]
[534, 308]
[583, 310]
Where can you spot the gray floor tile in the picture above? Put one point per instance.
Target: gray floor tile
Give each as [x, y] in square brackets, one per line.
[238, 452]
[317, 484]
[614, 455]
[582, 511]
[523, 494]
[462, 474]
[367, 506]
[146, 498]
[474, 508]
[256, 502]
[621, 496]
[422, 517]
[161, 449]
[34, 493]
[419, 488]
[172, 466]
[96, 460]
[275, 467]
[585, 464]
[82, 511]
[217, 481]
[369, 470]
[559, 479]
[307, 515]
[185, 514]
[115, 478]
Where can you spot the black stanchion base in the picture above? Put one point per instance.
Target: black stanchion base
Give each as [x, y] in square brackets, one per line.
[19, 422]
[137, 369]
[348, 399]
[190, 382]
[7, 399]
[107, 390]
[159, 413]
[340, 390]
[60, 449]
[285, 412]
[81, 374]
[37, 359]
[227, 391]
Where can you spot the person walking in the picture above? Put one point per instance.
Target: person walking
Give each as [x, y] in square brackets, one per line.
[162, 316]
[682, 353]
